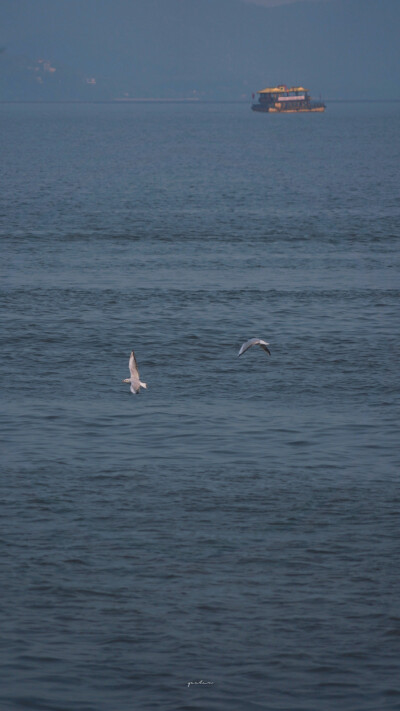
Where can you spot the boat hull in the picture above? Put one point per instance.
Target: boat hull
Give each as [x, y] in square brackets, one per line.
[273, 110]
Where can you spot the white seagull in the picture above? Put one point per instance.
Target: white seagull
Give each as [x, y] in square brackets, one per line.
[134, 380]
[254, 342]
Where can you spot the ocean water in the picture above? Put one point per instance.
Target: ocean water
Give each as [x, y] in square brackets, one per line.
[237, 523]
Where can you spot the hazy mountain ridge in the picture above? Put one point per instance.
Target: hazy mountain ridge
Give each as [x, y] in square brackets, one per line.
[103, 49]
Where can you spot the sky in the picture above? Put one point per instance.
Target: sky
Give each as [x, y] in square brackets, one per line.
[274, 3]
[203, 49]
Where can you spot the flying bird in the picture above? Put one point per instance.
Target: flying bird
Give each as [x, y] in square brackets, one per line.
[254, 342]
[134, 380]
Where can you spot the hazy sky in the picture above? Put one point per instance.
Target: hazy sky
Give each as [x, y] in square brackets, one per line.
[271, 3]
[207, 49]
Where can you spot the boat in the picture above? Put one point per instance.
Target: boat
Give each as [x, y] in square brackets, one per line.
[285, 100]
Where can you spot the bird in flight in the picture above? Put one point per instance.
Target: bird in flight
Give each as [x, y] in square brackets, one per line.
[254, 342]
[134, 380]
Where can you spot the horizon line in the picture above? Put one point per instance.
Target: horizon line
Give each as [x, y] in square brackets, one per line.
[177, 101]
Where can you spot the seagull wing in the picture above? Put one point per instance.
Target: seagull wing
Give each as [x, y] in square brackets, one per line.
[265, 347]
[248, 344]
[134, 370]
[254, 342]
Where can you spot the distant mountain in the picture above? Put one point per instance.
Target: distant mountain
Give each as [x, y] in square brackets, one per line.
[210, 49]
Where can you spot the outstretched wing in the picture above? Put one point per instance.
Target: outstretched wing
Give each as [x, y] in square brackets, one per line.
[254, 342]
[265, 347]
[134, 371]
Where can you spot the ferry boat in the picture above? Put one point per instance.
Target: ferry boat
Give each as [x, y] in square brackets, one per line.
[285, 100]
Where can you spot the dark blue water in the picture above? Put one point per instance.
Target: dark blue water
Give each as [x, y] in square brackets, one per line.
[238, 522]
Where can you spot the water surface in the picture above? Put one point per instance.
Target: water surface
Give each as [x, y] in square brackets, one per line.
[237, 522]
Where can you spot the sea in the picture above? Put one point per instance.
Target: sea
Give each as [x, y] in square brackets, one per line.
[228, 539]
